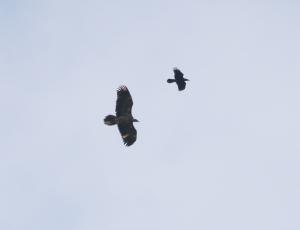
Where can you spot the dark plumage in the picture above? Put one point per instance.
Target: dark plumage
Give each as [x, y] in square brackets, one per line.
[123, 118]
[179, 79]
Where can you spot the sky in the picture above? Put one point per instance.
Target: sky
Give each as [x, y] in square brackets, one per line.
[223, 154]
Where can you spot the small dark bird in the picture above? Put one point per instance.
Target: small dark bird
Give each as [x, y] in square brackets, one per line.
[179, 79]
[123, 118]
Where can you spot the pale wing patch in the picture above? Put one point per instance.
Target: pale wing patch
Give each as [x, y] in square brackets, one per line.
[126, 135]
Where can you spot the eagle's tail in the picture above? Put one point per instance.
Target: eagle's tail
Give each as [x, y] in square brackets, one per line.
[171, 80]
[110, 120]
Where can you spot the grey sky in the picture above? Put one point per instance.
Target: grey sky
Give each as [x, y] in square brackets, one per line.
[223, 154]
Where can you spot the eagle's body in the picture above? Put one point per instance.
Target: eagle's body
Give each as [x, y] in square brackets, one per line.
[179, 79]
[123, 118]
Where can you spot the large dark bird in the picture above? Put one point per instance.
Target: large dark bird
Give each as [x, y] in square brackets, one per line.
[123, 118]
[179, 79]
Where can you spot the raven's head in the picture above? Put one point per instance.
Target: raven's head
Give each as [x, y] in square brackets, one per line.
[186, 79]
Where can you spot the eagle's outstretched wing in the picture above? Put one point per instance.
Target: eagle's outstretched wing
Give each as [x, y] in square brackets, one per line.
[128, 133]
[124, 101]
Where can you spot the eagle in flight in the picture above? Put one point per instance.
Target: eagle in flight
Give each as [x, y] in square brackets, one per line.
[179, 79]
[123, 118]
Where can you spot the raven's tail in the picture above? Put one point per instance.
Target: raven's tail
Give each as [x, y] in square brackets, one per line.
[171, 80]
[110, 120]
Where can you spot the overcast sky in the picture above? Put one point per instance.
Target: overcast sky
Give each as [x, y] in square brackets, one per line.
[223, 154]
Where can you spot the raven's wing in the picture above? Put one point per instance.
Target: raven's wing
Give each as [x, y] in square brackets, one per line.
[128, 133]
[178, 74]
[124, 101]
[181, 85]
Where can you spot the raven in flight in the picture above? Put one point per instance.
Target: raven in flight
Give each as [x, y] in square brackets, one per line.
[123, 118]
[179, 79]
